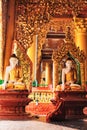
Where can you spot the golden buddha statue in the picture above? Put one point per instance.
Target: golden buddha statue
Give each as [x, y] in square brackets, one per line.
[69, 77]
[13, 75]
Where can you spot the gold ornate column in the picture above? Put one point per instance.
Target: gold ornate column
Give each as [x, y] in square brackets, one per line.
[82, 74]
[1, 48]
[48, 73]
[81, 33]
[55, 75]
[81, 37]
[31, 53]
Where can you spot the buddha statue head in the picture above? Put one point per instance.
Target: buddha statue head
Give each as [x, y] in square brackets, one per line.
[13, 60]
[69, 63]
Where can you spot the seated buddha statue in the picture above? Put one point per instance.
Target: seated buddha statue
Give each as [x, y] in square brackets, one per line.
[69, 76]
[13, 75]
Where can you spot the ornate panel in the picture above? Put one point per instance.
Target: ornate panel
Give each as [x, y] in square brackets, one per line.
[31, 21]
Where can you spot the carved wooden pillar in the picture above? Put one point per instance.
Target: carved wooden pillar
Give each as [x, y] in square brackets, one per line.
[10, 31]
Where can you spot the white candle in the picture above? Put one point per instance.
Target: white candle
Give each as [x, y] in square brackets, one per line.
[36, 44]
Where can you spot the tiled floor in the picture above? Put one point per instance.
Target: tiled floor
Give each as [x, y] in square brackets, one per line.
[30, 125]
[38, 124]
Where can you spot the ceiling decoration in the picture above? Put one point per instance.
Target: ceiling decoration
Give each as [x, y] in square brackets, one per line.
[32, 15]
[57, 8]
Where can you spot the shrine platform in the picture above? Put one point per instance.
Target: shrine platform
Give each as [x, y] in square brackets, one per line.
[69, 105]
[12, 104]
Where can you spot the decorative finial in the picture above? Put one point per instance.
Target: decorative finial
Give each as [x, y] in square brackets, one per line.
[68, 35]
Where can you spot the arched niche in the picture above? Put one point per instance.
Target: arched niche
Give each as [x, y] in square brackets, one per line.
[76, 66]
[69, 49]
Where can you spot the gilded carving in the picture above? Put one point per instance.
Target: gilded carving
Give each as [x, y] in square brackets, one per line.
[80, 24]
[29, 22]
[26, 64]
[55, 26]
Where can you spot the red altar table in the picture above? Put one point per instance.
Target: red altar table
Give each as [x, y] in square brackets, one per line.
[13, 103]
[69, 105]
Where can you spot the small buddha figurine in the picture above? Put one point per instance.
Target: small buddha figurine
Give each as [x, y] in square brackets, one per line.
[13, 75]
[69, 76]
